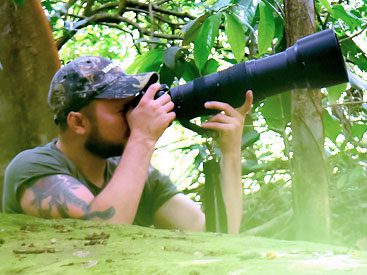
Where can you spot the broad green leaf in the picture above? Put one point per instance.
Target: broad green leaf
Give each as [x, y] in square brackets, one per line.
[204, 41]
[166, 75]
[219, 4]
[354, 53]
[350, 19]
[149, 61]
[190, 30]
[210, 67]
[190, 71]
[277, 111]
[250, 138]
[358, 130]
[326, 5]
[170, 56]
[331, 126]
[245, 12]
[266, 28]
[236, 36]
[334, 92]
[279, 28]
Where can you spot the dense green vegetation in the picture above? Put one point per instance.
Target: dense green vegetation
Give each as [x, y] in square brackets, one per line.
[183, 40]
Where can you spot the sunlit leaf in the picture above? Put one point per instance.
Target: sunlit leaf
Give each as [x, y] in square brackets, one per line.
[358, 130]
[277, 111]
[210, 67]
[332, 126]
[334, 92]
[244, 13]
[191, 29]
[219, 4]
[266, 28]
[354, 53]
[349, 18]
[250, 138]
[236, 36]
[149, 61]
[204, 42]
[326, 5]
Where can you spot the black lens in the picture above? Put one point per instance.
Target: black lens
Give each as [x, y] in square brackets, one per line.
[315, 61]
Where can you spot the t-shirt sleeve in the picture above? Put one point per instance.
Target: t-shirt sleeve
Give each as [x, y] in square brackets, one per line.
[26, 168]
[158, 189]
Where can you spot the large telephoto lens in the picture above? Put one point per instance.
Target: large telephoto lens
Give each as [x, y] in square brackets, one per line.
[314, 61]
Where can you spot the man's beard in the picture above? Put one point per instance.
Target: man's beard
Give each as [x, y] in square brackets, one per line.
[101, 148]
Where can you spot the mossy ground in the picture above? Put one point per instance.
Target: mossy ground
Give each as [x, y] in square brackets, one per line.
[34, 246]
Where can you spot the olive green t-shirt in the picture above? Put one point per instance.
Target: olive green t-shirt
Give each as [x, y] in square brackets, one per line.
[31, 165]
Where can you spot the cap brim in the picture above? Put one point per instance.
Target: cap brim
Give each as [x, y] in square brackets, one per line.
[128, 85]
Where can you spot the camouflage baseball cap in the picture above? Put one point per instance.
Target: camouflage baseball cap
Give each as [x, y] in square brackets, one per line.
[90, 77]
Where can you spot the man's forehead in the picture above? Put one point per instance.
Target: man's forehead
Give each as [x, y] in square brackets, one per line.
[114, 102]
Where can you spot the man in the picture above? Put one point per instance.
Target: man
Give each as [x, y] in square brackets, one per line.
[99, 167]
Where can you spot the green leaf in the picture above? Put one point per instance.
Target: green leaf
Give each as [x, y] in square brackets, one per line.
[326, 5]
[236, 36]
[190, 71]
[245, 12]
[334, 92]
[350, 19]
[250, 138]
[147, 62]
[331, 126]
[204, 41]
[277, 111]
[354, 53]
[358, 130]
[211, 66]
[220, 4]
[166, 75]
[170, 55]
[266, 28]
[190, 30]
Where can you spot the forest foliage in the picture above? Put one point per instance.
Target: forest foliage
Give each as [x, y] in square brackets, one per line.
[183, 40]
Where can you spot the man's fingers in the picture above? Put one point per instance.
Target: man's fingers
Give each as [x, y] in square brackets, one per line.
[220, 106]
[246, 107]
[152, 90]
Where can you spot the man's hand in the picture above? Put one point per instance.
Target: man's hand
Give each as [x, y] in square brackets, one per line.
[229, 122]
[151, 116]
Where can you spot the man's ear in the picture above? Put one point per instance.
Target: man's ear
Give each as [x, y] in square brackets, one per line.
[77, 122]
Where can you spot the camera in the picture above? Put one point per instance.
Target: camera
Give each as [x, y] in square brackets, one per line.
[314, 61]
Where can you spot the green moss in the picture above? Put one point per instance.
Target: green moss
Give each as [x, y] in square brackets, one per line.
[34, 246]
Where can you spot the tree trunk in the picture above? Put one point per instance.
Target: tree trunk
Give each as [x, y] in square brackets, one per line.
[310, 172]
[28, 60]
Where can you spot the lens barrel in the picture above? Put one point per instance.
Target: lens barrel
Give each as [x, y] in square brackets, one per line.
[315, 61]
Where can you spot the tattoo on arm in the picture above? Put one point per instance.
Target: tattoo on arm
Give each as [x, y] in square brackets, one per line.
[58, 191]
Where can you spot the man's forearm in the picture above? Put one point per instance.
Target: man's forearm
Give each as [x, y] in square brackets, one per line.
[232, 189]
[124, 190]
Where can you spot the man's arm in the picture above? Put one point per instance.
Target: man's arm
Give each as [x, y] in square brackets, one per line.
[60, 196]
[118, 201]
[229, 123]
[180, 212]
